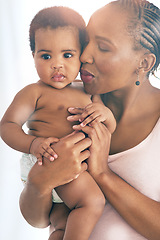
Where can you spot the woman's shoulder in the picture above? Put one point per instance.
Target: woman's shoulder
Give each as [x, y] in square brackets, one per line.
[158, 100]
[155, 100]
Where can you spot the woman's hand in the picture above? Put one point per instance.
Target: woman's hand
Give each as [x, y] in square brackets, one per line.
[71, 151]
[36, 200]
[99, 149]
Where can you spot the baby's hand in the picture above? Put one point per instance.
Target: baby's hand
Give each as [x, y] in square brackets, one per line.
[95, 111]
[41, 147]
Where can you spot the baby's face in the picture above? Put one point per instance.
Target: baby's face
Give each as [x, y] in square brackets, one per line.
[57, 55]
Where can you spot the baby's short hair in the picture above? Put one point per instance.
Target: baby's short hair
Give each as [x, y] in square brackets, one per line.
[55, 17]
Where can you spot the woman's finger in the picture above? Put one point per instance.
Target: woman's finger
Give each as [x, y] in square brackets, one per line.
[76, 140]
[99, 150]
[89, 130]
[84, 155]
[73, 137]
[84, 167]
[95, 130]
[83, 145]
[101, 130]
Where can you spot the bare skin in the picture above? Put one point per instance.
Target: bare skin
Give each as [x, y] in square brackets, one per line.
[115, 74]
[43, 106]
[135, 118]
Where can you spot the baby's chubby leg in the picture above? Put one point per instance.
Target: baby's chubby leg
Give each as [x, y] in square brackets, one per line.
[58, 219]
[86, 201]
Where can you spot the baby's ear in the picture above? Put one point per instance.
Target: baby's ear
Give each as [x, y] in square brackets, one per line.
[96, 99]
[148, 62]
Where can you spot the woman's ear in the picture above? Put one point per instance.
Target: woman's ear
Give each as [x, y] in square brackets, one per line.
[148, 62]
[33, 54]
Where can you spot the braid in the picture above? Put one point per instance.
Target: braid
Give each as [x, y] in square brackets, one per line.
[145, 25]
[150, 36]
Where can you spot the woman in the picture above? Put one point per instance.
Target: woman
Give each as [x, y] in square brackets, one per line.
[122, 50]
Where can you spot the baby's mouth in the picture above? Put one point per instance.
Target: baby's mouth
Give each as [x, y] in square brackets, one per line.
[58, 77]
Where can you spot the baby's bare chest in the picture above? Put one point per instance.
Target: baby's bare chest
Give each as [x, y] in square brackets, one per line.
[51, 111]
[58, 102]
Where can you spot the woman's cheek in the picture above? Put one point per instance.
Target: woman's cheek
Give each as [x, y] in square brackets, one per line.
[104, 62]
[105, 67]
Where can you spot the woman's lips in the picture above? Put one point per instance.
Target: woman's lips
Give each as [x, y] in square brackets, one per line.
[86, 76]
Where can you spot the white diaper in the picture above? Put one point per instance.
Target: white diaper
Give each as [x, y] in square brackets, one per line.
[26, 163]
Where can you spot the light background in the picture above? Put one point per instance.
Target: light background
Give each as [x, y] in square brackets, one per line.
[16, 71]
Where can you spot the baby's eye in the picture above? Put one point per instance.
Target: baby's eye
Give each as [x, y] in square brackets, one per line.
[68, 55]
[46, 56]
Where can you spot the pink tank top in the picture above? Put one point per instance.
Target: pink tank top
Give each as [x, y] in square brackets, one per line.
[140, 167]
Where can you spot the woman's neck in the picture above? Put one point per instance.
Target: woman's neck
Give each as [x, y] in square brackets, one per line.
[124, 101]
[136, 113]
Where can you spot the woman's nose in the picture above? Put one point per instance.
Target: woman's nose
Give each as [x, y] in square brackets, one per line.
[87, 55]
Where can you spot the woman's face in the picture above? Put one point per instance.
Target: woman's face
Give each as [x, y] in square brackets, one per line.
[109, 61]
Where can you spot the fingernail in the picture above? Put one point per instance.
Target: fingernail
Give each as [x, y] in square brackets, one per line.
[69, 117]
[55, 156]
[51, 158]
[40, 163]
[82, 125]
[75, 127]
[71, 108]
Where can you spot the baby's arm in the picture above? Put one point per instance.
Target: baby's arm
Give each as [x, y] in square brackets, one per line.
[96, 111]
[16, 115]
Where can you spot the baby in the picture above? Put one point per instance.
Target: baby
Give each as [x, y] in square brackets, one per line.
[57, 37]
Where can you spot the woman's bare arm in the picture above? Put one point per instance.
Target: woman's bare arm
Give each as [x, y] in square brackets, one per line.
[139, 211]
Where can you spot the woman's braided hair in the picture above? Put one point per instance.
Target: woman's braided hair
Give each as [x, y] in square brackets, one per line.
[144, 25]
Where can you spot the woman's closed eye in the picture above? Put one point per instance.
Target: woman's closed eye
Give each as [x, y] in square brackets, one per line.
[103, 47]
